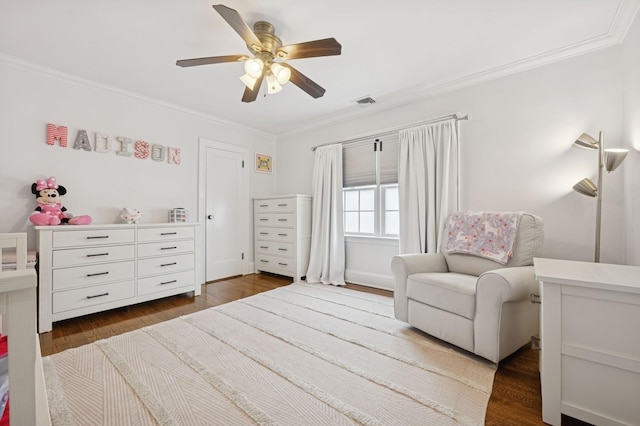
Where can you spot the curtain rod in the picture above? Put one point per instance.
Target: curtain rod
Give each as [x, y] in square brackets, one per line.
[393, 130]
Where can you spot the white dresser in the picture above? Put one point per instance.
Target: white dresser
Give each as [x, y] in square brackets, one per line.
[282, 230]
[590, 337]
[92, 268]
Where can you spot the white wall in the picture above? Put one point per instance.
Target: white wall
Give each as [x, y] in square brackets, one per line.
[516, 152]
[102, 184]
[631, 166]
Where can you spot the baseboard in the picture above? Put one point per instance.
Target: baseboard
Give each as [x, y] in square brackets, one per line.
[369, 280]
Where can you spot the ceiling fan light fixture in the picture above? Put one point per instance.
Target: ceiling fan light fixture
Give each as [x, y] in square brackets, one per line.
[281, 73]
[253, 67]
[273, 86]
[248, 81]
[265, 46]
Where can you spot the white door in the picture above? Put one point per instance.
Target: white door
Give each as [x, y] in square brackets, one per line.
[224, 188]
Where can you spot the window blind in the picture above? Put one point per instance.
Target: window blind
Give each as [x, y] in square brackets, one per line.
[363, 162]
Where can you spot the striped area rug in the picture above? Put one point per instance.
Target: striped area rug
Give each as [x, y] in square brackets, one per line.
[304, 354]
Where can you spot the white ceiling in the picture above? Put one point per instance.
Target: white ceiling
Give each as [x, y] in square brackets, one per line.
[393, 51]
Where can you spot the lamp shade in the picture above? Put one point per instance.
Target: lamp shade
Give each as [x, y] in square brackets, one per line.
[248, 81]
[253, 67]
[281, 73]
[586, 141]
[273, 86]
[614, 157]
[586, 187]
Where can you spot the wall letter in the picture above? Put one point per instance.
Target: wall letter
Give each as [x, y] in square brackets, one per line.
[124, 146]
[158, 152]
[103, 143]
[82, 141]
[174, 156]
[142, 150]
[56, 134]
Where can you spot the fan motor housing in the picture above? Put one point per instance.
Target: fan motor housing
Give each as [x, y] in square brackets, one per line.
[266, 34]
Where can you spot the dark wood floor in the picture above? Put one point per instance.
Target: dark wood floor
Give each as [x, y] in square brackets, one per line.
[515, 399]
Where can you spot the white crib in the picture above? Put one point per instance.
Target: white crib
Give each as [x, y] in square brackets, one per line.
[28, 401]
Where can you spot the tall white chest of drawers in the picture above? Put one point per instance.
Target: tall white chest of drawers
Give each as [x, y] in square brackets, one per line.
[87, 269]
[590, 329]
[282, 230]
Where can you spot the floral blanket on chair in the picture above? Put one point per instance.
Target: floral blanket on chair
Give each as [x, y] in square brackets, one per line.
[486, 234]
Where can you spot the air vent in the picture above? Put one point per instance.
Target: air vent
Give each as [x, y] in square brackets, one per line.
[366, 101]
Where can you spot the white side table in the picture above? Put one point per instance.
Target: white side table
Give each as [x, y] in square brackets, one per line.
[590, 330]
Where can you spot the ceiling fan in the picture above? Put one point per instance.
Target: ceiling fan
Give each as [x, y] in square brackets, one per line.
[266, 47]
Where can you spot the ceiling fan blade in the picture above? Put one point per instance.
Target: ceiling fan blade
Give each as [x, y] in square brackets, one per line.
[310, 49]
[234, 19]
[210, 60]
[304, 82]
[251, 95]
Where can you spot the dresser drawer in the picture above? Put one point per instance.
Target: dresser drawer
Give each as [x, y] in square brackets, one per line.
[264, 219]
[274, 264]
[92, 237]
[80, 276]
[162, 265]
[275, 234]
[275, 248]
[89, 255]
[166, 282]
[163, 234]
[283, 220]
[91, 296]
[261, 206]
[283, 204]
[165, 248]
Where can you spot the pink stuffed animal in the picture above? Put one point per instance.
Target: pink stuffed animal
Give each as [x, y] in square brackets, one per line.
[50, 210]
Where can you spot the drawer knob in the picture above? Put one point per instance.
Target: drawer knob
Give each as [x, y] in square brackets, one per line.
[169, 264]
[98, 254]
[169, 282]
[97, 237]
[168, 233]
[97, 295]
[168, 248]
[264, 247]
[282, 264]
[283, 205]
[98, 273]
[283, 235]
[282, 249]
[264, 261]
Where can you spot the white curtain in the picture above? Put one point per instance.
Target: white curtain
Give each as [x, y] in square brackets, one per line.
[427, 183]
[327, 262]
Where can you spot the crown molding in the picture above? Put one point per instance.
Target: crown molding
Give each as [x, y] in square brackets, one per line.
[622, 21]
[21, 65]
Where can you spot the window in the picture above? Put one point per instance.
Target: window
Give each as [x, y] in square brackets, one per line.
[370, 188]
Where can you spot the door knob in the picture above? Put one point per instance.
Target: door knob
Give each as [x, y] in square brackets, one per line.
[210, 217]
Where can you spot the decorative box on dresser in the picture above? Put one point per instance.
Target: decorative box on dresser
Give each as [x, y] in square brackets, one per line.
[590, 338]
[282, 233]
[92, 268]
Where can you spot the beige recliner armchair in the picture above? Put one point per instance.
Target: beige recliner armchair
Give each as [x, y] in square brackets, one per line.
[473, 302]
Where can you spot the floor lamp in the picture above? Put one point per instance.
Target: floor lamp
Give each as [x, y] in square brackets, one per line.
[608, 159]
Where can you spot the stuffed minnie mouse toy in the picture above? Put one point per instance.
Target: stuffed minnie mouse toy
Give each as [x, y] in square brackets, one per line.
[50, 210]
